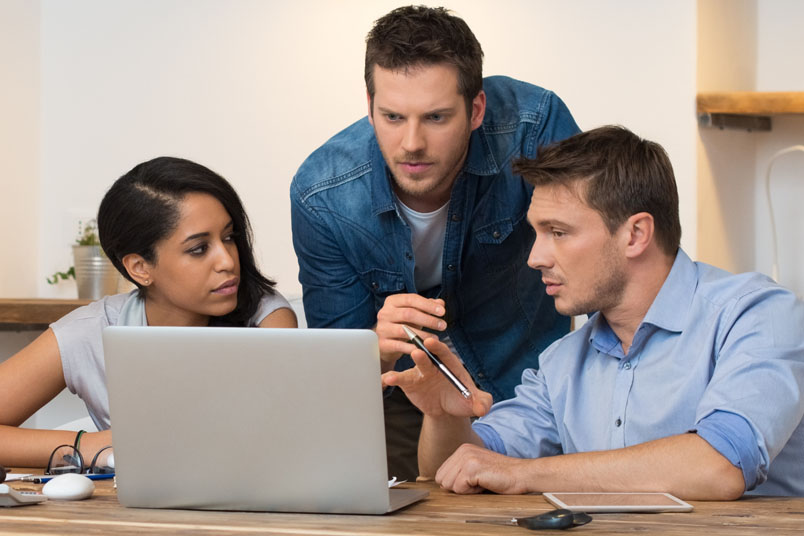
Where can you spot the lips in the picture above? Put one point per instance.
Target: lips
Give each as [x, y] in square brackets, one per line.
[415, 167]
[229, 287]
[551, 286]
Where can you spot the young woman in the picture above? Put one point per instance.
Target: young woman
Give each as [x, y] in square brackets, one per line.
[179, 232]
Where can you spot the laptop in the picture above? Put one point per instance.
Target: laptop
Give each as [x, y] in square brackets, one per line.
[275, 420]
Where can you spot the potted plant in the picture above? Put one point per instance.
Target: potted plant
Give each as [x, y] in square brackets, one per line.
[94, 274]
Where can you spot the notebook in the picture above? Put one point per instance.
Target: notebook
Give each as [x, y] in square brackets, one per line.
[280, 420]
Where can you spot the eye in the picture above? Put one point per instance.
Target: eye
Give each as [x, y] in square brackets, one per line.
[437, 118]
[198, 250]
[392, 118]
[230, 237]
[557, 233]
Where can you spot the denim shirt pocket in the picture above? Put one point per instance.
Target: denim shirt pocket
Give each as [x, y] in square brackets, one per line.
[504, 244]
[383, 283]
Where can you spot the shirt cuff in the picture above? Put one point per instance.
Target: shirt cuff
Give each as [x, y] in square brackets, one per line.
[491, 439]
[732, 436]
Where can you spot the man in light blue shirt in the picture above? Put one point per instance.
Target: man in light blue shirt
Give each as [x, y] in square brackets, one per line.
[686, 380]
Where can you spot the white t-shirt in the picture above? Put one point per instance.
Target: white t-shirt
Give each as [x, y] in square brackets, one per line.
[79, 336]
[427, 230]
[427, 238]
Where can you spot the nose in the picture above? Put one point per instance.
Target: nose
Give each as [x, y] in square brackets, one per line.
[539, 257]
[413, 141]
[226, 258]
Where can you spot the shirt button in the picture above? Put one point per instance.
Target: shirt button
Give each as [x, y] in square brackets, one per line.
[617, 423]
[375, 285]
[481, 375]
[456, 217]
[451, 267]
[496, 234]
[627, 366]
[408, 256]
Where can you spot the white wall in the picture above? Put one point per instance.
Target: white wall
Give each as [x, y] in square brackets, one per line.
[250, 87]
[779, 68]
[19, 146]
[751, 45]
[727, 52]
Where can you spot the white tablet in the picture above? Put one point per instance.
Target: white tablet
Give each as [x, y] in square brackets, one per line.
[617, 502]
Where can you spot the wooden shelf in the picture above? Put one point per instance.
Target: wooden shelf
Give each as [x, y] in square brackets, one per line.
[751, 102]
[35, 312]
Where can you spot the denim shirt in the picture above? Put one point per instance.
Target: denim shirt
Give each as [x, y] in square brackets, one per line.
[354, 249]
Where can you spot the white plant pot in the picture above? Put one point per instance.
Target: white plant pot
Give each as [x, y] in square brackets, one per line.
[95, 275]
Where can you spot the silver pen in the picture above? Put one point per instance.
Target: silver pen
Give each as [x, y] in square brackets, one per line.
[415, 339]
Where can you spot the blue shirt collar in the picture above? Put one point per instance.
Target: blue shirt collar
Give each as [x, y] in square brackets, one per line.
[671, 308]
[479, 161]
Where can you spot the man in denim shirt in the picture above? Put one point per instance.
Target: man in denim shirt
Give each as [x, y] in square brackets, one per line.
[412, 216]
[686, 380]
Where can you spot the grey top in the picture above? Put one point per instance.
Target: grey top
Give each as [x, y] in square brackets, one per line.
[79, 336]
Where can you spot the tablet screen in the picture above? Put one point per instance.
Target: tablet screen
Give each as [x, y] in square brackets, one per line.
[618, 502]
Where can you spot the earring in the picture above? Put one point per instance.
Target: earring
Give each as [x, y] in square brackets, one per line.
[146, 282]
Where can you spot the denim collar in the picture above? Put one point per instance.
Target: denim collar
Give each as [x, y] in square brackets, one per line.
[479, 161]
[669, 310]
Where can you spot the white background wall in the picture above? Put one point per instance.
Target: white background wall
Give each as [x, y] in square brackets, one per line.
[780, 67]
[746, 45]
[249, 88]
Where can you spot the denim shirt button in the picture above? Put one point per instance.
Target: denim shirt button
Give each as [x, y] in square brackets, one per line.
[617, 423]
[496, 234]
[456, 217]
[480, 375]
[627, 366]
[408, 256]
[375, 285]
[451, 267]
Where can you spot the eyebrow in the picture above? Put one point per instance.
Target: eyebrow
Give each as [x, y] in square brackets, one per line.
[205, 233]
[549, 223]
[442, 111]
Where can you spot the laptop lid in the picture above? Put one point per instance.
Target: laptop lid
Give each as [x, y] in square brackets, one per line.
[284, 420]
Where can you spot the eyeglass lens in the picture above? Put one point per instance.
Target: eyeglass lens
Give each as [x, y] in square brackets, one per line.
[103, 462]
[65, 459]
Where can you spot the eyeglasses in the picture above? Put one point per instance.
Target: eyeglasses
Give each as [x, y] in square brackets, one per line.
[68, 459]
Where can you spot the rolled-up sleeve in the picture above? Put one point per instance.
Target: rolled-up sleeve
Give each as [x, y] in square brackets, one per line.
[753, 403]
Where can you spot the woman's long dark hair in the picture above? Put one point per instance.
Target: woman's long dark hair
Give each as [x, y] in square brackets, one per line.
[142, 208]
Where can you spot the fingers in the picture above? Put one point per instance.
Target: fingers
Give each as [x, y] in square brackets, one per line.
[458, 473]
[403, 379]
[472, 469]
[413, 310]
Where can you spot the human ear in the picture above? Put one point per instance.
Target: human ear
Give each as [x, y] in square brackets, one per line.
[138, 269]
[370, 108]
[640, 231]
[478, 110]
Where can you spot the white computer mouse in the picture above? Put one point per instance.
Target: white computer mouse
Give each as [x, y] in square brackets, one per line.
[69, 487]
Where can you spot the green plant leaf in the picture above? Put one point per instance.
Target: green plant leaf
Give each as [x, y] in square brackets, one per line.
[63, 276]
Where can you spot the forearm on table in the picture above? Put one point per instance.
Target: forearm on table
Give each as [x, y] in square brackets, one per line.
[684, 465]
[438, 440]
[24, 447]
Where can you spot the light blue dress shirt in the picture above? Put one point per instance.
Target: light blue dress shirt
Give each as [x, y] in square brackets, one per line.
[718, 354]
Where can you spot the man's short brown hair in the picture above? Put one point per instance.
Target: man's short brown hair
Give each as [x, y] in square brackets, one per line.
[416, 36]
[621, 174]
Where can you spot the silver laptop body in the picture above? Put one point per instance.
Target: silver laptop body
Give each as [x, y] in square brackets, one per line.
[283, 420]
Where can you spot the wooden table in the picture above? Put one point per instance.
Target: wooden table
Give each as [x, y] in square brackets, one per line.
[442, 513]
